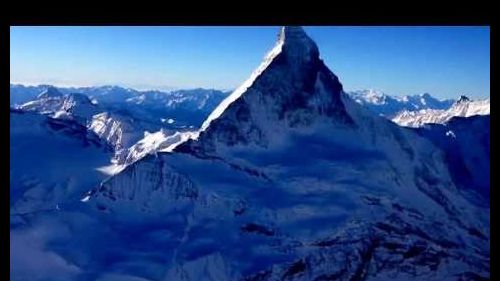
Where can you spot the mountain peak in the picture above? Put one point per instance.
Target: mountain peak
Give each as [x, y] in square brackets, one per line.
[292, 33]
[297, 44]
[291, 88]
[463, 98]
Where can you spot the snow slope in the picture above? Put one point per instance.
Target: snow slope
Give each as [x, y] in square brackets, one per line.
[152, 143]
[53, 235]
[52, 160]
[466, 142]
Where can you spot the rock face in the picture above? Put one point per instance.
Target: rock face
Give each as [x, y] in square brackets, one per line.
[290, 179]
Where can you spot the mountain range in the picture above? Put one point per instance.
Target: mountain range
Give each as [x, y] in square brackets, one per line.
[387, 105]
[288, 178]
[463, 107]
[190, 107]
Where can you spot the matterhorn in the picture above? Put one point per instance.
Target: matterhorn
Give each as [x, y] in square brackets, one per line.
[290, 179]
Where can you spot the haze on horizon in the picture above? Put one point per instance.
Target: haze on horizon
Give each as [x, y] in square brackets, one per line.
[443, 61]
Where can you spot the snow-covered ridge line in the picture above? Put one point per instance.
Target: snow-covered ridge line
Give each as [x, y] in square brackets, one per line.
[161, 141]
[462, 108]
[389, 105]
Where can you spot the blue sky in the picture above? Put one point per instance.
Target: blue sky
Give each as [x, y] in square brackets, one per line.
[443, 61]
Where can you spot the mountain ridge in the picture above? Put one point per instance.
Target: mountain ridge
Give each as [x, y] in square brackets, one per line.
[464, 107]
[388, 106]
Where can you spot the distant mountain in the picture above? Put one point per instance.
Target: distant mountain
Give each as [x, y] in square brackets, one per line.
[464, 107]
[189, 108]
[55, 104]
[118, 126]
[20, 94]
[186, 108]
[122, 116]
[388, 106]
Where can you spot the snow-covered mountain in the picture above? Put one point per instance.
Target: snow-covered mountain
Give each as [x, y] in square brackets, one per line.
[117, 126]
[464, 107]
[121, 130]
[20, 94]
[53, 103]
[185, 108]
[290, 179]
[388, 106]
